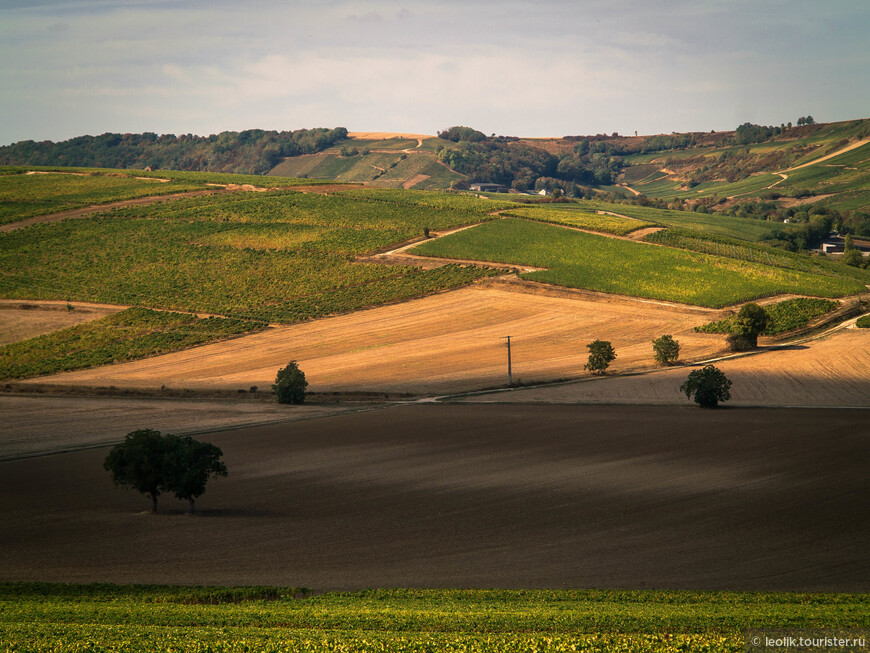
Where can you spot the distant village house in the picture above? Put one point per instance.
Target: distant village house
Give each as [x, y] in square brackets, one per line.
[488, 188]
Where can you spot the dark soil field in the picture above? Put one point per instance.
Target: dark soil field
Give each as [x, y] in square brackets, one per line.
[475, 496]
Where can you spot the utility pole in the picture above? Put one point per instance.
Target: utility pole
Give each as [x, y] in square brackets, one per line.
[510, 379]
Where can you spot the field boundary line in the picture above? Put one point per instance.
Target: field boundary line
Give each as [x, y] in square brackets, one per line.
[102, 208]
[847, 148]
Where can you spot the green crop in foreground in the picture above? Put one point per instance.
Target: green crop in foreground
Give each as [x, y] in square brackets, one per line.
[42, 617]
[127, 335]
[582, 260]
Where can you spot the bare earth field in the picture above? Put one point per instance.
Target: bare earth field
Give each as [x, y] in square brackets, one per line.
[831, 371]
[34, 425]
[442, 343]
[18, 323]
[475, 496]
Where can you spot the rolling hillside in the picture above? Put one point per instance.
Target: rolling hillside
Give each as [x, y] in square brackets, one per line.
[400, 161]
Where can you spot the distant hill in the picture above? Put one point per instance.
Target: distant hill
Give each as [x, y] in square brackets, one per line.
[770, 172]
[377, 159]
[698, 168]
[253, 151]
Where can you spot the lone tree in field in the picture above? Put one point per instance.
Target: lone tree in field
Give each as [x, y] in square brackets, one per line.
[139, 463]
[667, 350]
[708, 385]
[152, 463]
[601, 355]
[749, 323]
[190, 464]
[290, 384]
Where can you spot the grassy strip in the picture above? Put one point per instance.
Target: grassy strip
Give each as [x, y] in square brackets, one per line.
[191, 176]
[581, 260]
[37, 617]
[863, 322]
[608, 224]
[783, 316]
[756, 253]
[701, 223]
[25, 196]
[431, 199]
[127, 335]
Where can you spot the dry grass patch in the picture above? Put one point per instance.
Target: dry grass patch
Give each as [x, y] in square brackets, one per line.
[20, 320]
[439, 344]
[831, 371]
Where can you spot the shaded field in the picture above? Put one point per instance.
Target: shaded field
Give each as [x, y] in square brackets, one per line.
[443, 343]
[832, 371]
[31, 423]
[446, 496]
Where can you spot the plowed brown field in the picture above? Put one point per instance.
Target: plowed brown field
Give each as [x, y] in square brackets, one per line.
[474, 496]
[439, 344]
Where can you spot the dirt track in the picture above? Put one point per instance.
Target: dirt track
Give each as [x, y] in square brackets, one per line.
[442, 343]
[475, 496]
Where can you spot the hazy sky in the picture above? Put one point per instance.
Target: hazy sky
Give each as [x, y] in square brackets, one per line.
[544, 68]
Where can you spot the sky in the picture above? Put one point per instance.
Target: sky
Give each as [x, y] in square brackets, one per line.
[548, 68]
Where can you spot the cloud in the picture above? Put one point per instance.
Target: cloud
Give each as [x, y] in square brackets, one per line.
[515, 68]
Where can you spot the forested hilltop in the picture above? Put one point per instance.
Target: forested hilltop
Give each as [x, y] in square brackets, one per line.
[253, 151]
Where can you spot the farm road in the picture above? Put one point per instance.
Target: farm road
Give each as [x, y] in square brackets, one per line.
[475, 496]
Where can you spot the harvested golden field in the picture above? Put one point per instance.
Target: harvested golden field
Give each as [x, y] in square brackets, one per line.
[439, 344]
[831, 371]
[20, 320]
[377, 136]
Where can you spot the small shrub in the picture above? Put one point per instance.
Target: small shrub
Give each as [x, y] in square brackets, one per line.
[667, 350]
[863, 322]
[750, 321]
[708, 386]
[601, 354]
[290, 384]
